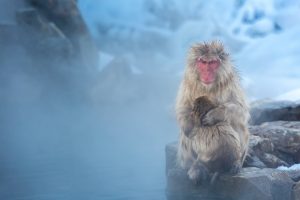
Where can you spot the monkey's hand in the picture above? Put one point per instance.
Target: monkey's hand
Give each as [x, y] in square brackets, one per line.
[187, 122]
[188, 127]
[214, 116]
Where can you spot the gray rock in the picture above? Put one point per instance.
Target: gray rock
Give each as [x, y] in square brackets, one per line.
[296, 192]
[266, 111]
[253, 183]
[294, 175]
[66, 19]
[171, 152]
[261, 154]
[7, 32]
[276, 143]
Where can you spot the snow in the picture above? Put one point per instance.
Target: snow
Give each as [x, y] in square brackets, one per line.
[262, 36]
[293, 167]
[273, 67]
[293, 95]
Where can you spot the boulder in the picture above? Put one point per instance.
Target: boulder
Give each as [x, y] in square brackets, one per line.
[266, 111]
[52, 34]
[65, 16]
[53, 46]
[296, 192]
[275, 143]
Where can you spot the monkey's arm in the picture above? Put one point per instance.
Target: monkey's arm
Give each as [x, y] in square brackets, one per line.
[185, 120]
[184, 112]
[231, 112]
[236, 112]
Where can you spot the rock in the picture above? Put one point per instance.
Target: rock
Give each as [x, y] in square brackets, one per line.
[171, 151]
[296, 192]
[272, 161]
[266, 111]
[66, 17]
[253, 183]
[260, 153]
[253, 161]
[52, 44]
[250, 183]
[30, 17]
[294, 174]
[8, 33]
[276, 143]
[53, 34]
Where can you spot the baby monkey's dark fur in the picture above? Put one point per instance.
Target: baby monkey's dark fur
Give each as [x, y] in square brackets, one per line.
[202, 105]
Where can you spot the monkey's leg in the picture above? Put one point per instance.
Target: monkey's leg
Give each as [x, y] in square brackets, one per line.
[185, 155]
[235, 168]
[227, 157]
[198, 172]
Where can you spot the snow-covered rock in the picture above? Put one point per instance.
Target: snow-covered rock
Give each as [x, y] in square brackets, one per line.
[266, 110]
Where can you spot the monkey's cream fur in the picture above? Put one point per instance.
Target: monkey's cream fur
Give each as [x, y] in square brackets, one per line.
[221, 145]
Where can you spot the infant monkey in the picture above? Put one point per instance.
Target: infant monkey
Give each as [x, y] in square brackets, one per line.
[202, 105]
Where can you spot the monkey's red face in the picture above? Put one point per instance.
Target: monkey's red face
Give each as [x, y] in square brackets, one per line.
[207, 70]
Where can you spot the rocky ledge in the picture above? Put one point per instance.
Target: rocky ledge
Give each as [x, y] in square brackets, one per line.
[274, 146]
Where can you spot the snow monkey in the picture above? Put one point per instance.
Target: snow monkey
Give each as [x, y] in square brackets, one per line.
[212, 114]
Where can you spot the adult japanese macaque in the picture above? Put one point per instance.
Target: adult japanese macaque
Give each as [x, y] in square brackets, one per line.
[212, 114]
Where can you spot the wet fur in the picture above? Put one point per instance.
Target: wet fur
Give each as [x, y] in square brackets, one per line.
[218, 141]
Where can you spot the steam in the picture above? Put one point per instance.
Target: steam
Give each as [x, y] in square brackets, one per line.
[69, 133]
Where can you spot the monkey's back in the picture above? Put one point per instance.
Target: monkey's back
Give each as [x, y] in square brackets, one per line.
[214, 145]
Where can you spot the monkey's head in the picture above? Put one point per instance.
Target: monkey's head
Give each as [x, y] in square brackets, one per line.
[202, 105]
[209, 63]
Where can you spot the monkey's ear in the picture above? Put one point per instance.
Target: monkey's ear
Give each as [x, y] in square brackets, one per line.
[200, 49]
[220, 49]
[196, 47]
[223, 55]
[194, 51]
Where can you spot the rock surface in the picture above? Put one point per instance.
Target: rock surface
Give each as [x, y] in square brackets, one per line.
[296, 192]
[276, 143]
[272, 144]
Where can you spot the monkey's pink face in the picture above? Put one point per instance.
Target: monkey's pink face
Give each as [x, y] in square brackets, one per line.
[207, 70]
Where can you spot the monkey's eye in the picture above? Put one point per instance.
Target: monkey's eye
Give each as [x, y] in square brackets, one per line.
[212, 62]
[202, 61]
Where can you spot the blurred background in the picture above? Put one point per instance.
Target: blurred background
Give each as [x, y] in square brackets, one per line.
[87, 87]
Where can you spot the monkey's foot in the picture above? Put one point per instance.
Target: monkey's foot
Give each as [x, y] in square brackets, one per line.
[235, 169]
[198, 174]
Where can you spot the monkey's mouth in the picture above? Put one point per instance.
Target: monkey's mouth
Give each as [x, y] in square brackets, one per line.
[208, 78]
[207, 82]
